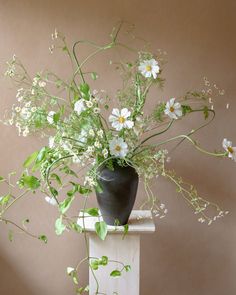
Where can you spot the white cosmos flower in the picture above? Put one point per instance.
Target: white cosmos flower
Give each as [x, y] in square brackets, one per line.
[79, 106]
[227, 145]
[118, 147]
[173, 109]
[50, 117]
[119, 119]
[149, 68]
[51, 201]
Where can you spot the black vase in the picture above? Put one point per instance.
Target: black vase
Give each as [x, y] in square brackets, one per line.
[119, 189]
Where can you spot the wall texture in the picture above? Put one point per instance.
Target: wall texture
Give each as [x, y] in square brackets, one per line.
[183, 257]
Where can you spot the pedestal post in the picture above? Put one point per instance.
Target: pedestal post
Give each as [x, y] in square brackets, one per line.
[118, 248]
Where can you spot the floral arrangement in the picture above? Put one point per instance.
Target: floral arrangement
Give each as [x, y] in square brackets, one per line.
[84, 132]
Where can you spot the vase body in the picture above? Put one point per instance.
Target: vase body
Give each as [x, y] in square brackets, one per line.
[119, 189]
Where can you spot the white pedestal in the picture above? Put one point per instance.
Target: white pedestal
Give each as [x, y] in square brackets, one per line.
[116, 248]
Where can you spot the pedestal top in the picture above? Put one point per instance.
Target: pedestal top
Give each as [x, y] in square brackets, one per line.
[140, 221]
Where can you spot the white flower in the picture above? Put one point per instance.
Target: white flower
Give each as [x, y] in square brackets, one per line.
[25, 114]
[82, 138]
[96, 110]
[51, 201]
[79, 106]
[227, 145]
[105, 153]
[51, 142]
[91, 132]
[118, 147]
[149, 68]
[100, 133]
[97, 144]
[119, 120]
[88, 180]
[173, 109]
[25, 132]
[42, 84]
[90, 149]
[89, 104]
[50, 117]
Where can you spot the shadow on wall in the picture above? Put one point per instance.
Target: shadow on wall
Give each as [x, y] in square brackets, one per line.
[16, 285]
[178, 265]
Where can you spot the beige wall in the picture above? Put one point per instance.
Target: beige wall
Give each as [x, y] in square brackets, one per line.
[183, 257]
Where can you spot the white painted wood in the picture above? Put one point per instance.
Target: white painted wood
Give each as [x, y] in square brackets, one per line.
[140, 221]
[125, 250]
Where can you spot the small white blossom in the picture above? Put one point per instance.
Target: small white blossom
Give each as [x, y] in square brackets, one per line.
[25, 114]
[79, 106]
[91, 132]
[89, 103]
[100, 133]
[25, 132]
[89, 181]
[50, 117]
[149, 68]
[227, 145]
[96, 110]
[42, 84]
[118, 147]
[97, 144]
[51, 201]
[51, 142]
[119, 119]
[105, 153]
[173, 109]
[90, 149]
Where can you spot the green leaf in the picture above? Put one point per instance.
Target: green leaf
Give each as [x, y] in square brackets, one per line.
[186, 109]
[30, 159]
[68, 171]
[65, 205]
[2, 178]
[92, 211]
[53, 191]
[115, 273]
[5, 199]
[82, 289]
[10, 235]
[94, 76]
[103, 261]
[42, 155]
[127, 268]
[56, 117]
[74, 226]
[206, 112]
[159, 111]
[94, 264]
[43, 238]
[29, 181]
[59, 226]
[126, 229]
[56, 177]
[84, 89]
[101, 229]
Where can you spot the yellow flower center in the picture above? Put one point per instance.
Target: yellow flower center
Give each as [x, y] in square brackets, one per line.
[172, 109]
[148, 68]
[118, 148]
[121, 120]
[230, 150]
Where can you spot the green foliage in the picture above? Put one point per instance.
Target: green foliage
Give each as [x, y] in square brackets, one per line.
[31, 159]
[95, 263]
[43, 238]
[65, 205]
[94, 76]
[127, 268]
[126, 229]
[29, 181]
[186, 109]
[92, 211]
[5, 199]
[81, 290]
[159, 112]
[206, 112]
[77, 228]
[59, 226]
[115, 273]
[101, 229]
